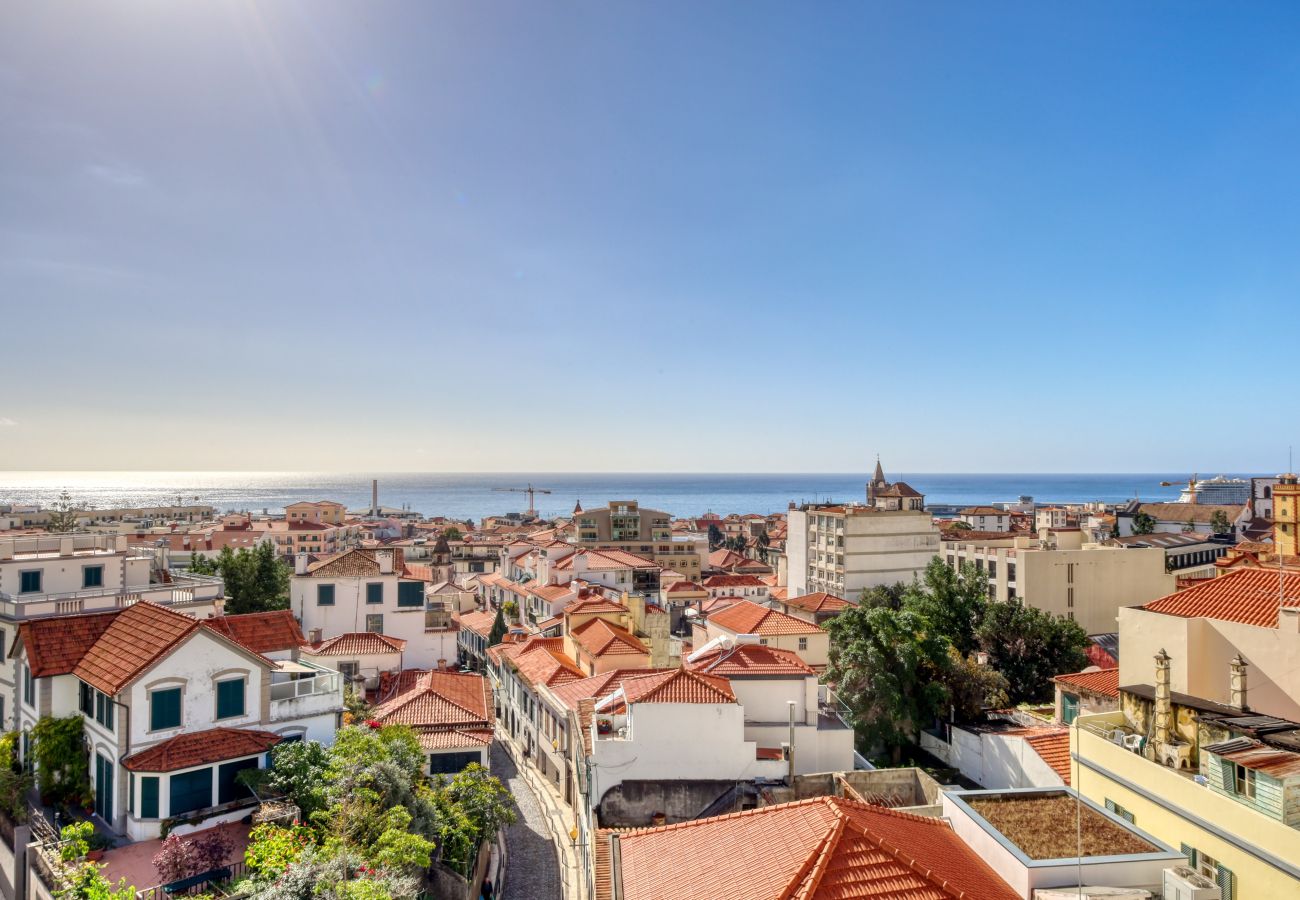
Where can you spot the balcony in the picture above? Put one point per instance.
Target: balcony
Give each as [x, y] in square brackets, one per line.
[302, 689]
[181, 591]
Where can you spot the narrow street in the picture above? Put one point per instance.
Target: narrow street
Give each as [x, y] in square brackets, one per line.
[532, 872]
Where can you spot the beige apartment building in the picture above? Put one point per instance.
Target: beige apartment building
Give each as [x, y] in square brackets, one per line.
[626, 525]
[1059, 573]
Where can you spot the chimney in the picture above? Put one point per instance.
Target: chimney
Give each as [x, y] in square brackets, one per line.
[442, 665]
[385, 560]
[314, 636]
[1237, 693]
[300, 564]
[374, 496]
[1164, 712]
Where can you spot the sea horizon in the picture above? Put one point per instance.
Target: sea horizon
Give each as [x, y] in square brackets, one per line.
[472, 495]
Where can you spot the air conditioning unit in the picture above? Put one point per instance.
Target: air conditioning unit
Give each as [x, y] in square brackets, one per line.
[1182, 883]
[1091, 892]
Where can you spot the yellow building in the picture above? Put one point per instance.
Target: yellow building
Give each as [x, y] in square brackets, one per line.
[1204, 751]
[626, 525]
[1286, 515]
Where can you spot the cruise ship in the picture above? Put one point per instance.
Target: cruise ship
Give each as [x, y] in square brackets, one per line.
[1217, 491]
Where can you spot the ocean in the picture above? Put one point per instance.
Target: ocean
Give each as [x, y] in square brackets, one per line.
[472, 496]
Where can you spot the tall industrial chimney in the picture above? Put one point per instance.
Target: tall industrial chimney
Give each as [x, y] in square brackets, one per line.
[374, 496]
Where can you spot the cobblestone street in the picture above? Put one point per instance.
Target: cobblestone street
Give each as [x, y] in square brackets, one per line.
[532, 872]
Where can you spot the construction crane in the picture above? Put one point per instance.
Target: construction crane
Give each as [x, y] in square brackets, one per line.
[530, 491]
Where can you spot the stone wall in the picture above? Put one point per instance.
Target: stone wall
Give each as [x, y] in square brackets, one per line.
[634, 803]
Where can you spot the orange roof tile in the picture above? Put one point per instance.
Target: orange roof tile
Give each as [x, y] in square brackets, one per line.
[355, 643]
[600, 638]
[594, 604]
[677, 686]
[820, 602]
[54, 646]
[356, 563]
[137, 637]
[720, 581]
[454, 739]
[1054, 748]
[1098, 681]
[828, 848]
[438, 701]
[478, 621]
[750, 660]
[1249, 596]
[597, 687]
[263, 632]
[198, 748]
[542, 661]
[747, 617]
[678, 587]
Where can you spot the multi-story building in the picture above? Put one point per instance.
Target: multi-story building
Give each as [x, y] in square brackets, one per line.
[43, 576]
[319, 528]
[625, 525]
[1060, 574]
[1188, 554]
[843, 549]
[173, 707]
[1286, 515]
[372, 590]
[985, 518]
[1177, 517]
[450, 713]
[1204, 749]
[771, 628]
[110, 520]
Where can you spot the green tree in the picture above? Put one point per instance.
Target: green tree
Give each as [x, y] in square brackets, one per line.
[953, 601]
[1144, 523]
[1114, 528]
[887, 666]
[1189, 526]
[297, 773]
[59, 748]
[887, 596]
[1029, 646]
[453, 534]
[498, 632]
[1219, 522]
[256, 580]
[63, 515]
[715, 537]
[973, 687]
[960, 525]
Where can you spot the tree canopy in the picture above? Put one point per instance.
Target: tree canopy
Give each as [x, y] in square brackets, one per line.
[256, 580]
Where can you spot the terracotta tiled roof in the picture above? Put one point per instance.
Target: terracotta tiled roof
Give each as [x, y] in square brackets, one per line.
[138, 636]
[677, 686]
[454, 739]
[600, 638]
[747, 617]
[1100, 681]
[678, 587]
[597, 560]
[750, 660]
[982, 511]
[355, 643]
[829, 848]
[549, 592]
[1249, 596]
[597, 686]
[594, 604]
[263, 632]
[356, 563]
[820, 602]
[542, 661]
[721, 581]
[55, 646]
[198, 748]
[1054, 747]
[439, 701]
[479, 621]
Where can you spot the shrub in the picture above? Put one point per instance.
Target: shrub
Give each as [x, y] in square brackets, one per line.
[184, 857]
[273, 848]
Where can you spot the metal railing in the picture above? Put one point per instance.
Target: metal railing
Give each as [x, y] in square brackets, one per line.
[317, 685]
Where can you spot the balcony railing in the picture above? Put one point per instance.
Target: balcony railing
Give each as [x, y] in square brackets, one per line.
[180, 591]
[323, 684]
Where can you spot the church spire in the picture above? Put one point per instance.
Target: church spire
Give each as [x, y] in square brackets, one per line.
[879, 477]
[577, 507]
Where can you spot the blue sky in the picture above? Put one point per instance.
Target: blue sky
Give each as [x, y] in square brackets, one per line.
[648, 236]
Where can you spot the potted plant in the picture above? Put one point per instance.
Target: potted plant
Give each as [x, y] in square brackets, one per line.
[604, 726]
[97, 844]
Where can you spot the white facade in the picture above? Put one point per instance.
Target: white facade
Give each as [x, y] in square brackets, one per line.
[332, 605]
[822, 743]
[843, 550]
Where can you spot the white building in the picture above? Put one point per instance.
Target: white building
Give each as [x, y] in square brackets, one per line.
[985, 518]
[780, 696]
[371, 590]
[844, 548]
[67, 574]
[174, 707]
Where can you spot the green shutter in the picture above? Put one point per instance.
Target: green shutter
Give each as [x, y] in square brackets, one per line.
[230, 698]
[410, 593]
[92, 576]
[191, 791]
[324, 595]
[228, 789]
[1227, 884]
[375, 592]
[1190, 853]
[148, 796]
[165, 709]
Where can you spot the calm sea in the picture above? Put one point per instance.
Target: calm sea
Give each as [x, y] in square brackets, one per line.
[473, 496]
